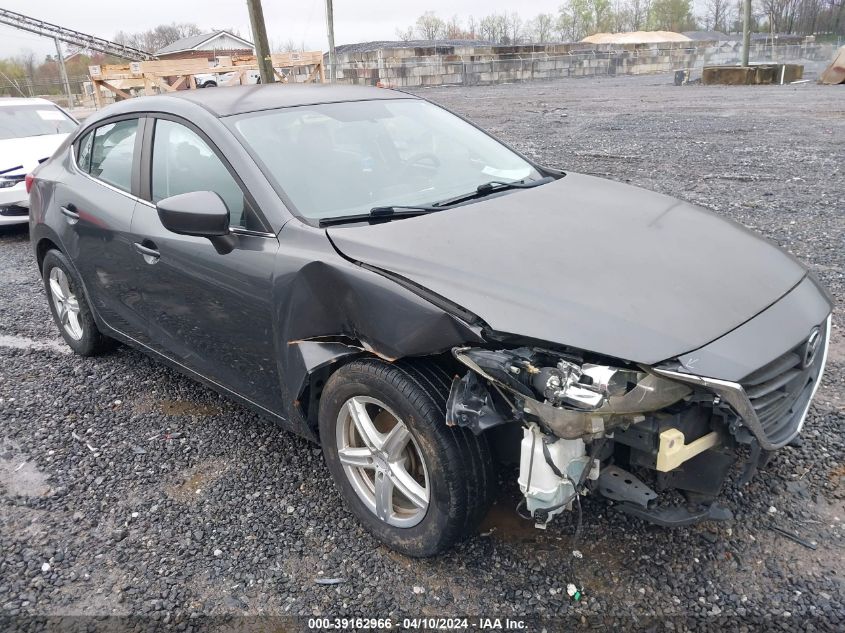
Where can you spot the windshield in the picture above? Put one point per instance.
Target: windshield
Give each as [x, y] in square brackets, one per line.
[342, 159]
[33, 120]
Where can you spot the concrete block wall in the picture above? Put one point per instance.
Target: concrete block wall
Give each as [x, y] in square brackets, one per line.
[480, 65]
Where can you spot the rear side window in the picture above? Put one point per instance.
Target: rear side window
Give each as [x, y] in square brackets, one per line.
[112, 152]
[83, 158]
[183, 162]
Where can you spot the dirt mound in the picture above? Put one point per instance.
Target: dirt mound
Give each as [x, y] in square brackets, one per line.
[835, 73]
[636, 37]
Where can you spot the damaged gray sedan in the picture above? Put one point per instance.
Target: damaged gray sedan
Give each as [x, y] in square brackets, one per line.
[380, 276]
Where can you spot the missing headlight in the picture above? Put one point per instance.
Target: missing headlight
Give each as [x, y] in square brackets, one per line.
[564, 405]
[569, 397]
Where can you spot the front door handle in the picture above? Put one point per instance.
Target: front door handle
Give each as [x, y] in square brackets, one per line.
[70, 214]
[151, 255]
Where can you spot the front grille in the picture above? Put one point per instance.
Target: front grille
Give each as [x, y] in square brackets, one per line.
[780, 391]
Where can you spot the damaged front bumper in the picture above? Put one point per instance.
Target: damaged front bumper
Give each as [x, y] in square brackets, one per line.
[631, 432]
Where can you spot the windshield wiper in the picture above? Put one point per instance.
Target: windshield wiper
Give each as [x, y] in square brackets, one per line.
[399, 211]
[380, 213]
[494, 186]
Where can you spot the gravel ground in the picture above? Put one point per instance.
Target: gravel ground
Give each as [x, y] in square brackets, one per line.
[128, 489]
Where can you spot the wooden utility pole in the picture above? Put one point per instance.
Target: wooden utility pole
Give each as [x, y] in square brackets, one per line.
[330, 29]
[746, 31]
[61, 59]
[259, 36]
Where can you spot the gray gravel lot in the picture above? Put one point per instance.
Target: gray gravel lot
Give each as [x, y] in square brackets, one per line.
[126, 488]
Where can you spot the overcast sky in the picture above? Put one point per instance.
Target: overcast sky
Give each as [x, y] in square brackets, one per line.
[299, 20]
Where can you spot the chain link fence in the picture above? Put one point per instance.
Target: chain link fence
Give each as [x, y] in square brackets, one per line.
[52, 88]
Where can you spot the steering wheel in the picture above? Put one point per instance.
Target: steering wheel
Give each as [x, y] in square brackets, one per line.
[426, 160]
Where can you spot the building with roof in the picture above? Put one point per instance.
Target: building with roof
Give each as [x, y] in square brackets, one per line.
[207, 45]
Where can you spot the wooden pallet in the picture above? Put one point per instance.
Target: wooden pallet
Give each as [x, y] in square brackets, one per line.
[161, 76]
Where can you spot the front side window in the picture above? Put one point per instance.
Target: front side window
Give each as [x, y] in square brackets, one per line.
[112, 152]
[341, 159]
[183, 162]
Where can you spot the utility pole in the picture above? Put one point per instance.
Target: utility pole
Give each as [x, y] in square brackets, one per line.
[61, 58]
[259, 36]
[746, 31]
[330, 29]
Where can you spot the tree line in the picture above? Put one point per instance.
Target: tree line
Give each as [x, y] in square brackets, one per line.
[576, 19]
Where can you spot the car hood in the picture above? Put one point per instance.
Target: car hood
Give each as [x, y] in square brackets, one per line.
[27, 151]
[586, 262]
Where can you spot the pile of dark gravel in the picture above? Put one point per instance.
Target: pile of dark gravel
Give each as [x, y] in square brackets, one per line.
[129, 489]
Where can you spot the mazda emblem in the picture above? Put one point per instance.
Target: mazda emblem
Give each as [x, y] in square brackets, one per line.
[811, 348]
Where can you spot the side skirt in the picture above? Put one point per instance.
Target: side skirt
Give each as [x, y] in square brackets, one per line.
[302, 430]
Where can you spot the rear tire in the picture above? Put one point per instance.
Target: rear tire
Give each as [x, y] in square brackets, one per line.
[70, 308]
[441, 478]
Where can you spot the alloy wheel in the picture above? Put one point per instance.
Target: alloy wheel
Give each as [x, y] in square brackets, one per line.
[382, 461]
[66, 304]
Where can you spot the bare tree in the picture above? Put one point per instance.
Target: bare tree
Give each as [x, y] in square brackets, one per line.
[288, 46]
[472, 27]
[454, 29]
[514, 27]
[716, 15]
[158, 37]
[541, 28]
[430, 27]
[406, 35]
[494, 27]
[640, 12]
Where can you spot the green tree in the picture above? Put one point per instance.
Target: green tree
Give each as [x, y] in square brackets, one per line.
[672, 15]
[579, 18]
[13, 78]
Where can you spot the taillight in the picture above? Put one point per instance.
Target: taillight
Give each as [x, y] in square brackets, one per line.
[29, 180]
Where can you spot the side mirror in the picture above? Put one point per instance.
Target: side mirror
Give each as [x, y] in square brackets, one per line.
[198, 213]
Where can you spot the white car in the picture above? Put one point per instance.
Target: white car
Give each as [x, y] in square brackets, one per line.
[213, 80]
[30, 131]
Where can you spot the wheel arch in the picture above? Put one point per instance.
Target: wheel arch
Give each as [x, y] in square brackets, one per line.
[42, 247]
[332, 356]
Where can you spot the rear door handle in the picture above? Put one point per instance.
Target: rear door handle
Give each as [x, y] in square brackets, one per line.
[151, 255]
[70, 214]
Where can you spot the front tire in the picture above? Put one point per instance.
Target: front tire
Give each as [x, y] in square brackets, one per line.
[416, 484]
[70, 308]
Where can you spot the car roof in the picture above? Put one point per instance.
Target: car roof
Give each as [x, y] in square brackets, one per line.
[23, 101]
[241, 99]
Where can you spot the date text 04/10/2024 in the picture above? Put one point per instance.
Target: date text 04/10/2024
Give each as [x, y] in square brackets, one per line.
[423, 623]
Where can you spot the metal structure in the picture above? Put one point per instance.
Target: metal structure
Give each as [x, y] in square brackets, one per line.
[70, 36]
